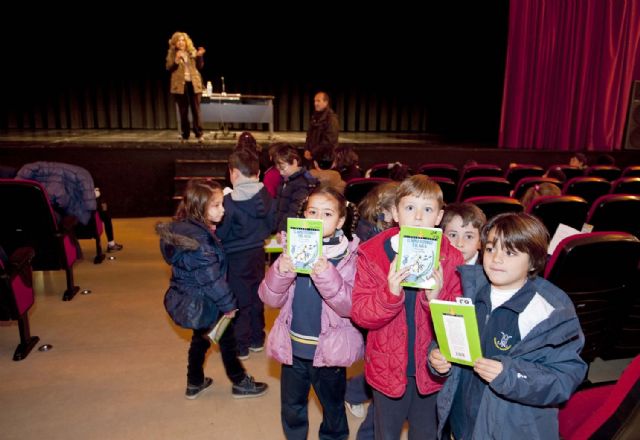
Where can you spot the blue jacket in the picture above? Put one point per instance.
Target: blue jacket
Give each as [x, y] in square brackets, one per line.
[291, 194]
[198, 291]
[69, 187]
[246, 223]
[541, 372]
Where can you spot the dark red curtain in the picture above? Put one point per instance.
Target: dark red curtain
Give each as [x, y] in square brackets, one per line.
[569, 70]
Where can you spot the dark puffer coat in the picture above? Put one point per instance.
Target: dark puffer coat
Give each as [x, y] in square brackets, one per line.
[198, 291]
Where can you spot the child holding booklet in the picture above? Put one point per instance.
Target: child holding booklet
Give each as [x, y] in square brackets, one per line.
[398, 319]
[530, 338]
[199, 293]
[313, 336]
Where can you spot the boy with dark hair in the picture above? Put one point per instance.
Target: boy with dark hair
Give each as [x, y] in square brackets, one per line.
[530, 336]
[461, 224]
[248, 221]
[297, 184]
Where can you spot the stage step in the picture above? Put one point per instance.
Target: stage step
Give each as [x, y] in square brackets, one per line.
[201, 167]
[206, 169]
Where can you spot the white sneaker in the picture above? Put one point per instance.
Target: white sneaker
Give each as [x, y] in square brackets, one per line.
[357, 409]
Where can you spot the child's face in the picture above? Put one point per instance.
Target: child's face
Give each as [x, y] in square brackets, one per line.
[505, 269]
[465, 238]
[287, 169]
[324, 208]
[387, 216]
[417, 211]
[575, 162]
[215, 210]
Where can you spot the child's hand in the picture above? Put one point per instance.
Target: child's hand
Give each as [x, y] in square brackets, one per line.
[487, 369]
[439, 362]
[285, 264]
[321, 265]
[395, 278]
[439, 279]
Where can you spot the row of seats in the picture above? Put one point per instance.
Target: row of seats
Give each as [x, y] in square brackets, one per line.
[611, 212]
[513, 174]
[589, 188]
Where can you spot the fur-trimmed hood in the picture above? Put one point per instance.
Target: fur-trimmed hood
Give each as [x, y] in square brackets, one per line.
[169, 236]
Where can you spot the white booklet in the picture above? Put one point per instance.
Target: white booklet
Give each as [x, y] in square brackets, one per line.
[563, 231]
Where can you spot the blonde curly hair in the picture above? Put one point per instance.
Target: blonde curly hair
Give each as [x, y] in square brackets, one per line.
[171, 53]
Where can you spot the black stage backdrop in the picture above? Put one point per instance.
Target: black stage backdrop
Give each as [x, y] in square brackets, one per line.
[435, 69]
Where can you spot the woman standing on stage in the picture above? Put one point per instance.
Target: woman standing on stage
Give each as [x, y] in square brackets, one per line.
[184, 63]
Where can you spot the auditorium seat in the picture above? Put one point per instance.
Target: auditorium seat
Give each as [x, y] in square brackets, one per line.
[553, 210]
[16, 296]
[30, 222]
[483, 186]
[589, 188]
[357, 188]
[607, 172]
[92, 231]
[480, 170]
[445, 170]
[525, 183]
[609, 411]
[519, 171]
[494, 205]
[598, 271]
[631, 171]
[379, 170]
[616, 212]
[569, 171]
[626, 185]
[448, 188]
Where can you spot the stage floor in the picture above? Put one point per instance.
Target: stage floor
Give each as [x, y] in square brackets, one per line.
[98, 138]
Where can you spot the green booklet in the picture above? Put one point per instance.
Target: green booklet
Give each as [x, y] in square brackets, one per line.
[271, 245]
[419, 248]
[456, 329]
[304, 242]
[217, 331]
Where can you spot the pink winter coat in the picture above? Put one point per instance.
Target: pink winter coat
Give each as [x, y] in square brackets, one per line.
[340, 344]
[377, 309]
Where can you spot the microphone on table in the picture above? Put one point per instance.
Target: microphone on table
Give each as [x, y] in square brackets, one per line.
[224, 91]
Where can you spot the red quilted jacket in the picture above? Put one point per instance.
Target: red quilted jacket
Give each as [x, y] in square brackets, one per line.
[377, 309]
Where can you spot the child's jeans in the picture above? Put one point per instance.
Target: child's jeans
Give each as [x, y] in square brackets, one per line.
[329, 383]
[419, 410]
[200, 344]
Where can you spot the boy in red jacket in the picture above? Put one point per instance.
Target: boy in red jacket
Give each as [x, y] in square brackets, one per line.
[398, 319]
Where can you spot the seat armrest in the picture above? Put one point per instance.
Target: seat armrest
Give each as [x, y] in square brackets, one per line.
[19, 259]
[67, 224]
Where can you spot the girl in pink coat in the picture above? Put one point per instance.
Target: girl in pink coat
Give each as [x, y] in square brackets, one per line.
[313, 336]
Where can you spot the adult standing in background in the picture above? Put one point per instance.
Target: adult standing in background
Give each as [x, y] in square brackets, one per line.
[184, 63]
[323, 127]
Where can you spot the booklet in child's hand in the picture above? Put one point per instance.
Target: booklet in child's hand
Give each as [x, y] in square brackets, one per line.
[304, 242]
[216, 332]
[419, 249]
[456, 329]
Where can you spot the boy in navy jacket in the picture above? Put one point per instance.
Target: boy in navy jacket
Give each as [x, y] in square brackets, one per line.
[530, 337]
[247, 222]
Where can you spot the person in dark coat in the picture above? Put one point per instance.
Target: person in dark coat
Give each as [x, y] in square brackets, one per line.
[248, 221]
[323, 128]
[198, 293]
[530, 336]
[297, 184]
